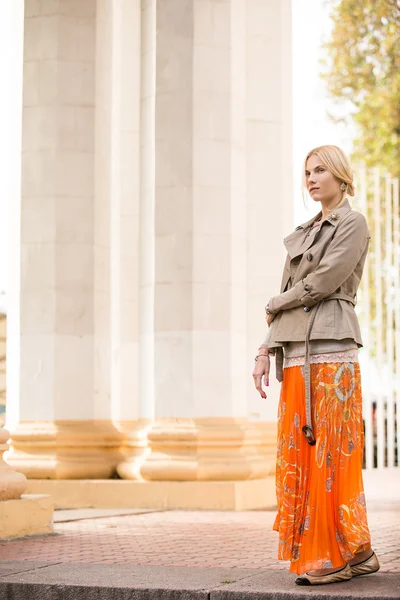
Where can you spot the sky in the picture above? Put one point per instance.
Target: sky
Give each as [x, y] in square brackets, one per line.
[311, 126]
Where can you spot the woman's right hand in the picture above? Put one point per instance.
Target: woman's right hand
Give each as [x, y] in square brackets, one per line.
[269, 319]
[261, 369]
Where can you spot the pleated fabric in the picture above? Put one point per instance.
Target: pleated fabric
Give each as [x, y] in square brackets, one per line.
[322, 516]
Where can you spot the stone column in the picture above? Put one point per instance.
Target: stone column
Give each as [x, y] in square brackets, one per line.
[117, 223]
[58, 428]
[269, 167]
[148, 156]
[194, 262]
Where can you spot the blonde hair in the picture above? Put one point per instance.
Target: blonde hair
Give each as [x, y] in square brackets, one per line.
[337, 162]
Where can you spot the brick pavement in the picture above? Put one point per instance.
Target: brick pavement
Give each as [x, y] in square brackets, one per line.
[242, 540]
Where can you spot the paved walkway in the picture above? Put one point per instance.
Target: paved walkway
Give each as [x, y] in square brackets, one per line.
[177, 555]
[242, 540]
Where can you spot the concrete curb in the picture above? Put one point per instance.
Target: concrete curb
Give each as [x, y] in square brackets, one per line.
[74, 581]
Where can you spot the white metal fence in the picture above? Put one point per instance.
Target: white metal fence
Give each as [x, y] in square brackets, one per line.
[378, 309]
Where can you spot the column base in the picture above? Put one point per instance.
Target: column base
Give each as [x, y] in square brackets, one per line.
[65, 449]
[29, 515]
[161, 495]
[209, 449]
[134, 447]
[12, 484]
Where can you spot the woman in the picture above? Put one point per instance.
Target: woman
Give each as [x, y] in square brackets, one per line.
[315, 336]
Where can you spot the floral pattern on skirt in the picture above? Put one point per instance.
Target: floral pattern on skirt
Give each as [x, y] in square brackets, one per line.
[322, 516]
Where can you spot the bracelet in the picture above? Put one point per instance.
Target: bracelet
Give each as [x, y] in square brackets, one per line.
[268, 311]
[258, 356]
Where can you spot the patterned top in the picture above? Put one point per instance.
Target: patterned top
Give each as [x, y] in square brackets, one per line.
[321, 351]
[329, 357]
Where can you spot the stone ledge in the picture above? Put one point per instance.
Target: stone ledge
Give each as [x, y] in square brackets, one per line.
[29, 515]
[191, 495]
[108, 582]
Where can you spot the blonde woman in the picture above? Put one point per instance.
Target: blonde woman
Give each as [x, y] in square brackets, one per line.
[314, 335]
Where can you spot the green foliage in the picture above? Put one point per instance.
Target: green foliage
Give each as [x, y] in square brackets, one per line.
[363, 68]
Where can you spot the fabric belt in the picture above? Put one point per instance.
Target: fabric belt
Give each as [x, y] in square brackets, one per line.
[308, 428]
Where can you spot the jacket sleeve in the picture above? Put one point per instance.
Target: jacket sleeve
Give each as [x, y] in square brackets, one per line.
[266, 339]
[265, 343]
[340, 260]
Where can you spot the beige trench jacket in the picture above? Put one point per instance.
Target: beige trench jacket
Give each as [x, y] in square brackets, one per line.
[322, 271]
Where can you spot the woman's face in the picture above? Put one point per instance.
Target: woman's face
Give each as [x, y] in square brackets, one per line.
[321, 184]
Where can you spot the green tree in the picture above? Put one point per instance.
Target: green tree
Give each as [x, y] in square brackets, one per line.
[363, 68]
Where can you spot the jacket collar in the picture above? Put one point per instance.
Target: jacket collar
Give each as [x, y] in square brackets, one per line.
[296, 244]
[333, 218]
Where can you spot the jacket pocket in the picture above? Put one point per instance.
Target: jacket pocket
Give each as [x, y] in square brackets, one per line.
[291, 326]
[325, 321]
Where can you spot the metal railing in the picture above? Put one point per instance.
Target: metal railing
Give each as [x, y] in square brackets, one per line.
[379, 313]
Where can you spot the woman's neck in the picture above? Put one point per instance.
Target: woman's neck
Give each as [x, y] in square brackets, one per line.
[330, 205]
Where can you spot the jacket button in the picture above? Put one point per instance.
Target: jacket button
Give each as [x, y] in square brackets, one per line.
[307, 309]
[309, 257]
[307, 287]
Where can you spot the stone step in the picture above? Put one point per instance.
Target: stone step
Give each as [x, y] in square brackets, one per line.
[20, 580]
[29, 515]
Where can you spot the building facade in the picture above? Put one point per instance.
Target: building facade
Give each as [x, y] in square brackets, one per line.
[156, 189]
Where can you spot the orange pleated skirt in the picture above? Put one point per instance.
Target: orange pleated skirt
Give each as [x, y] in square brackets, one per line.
[322, 516]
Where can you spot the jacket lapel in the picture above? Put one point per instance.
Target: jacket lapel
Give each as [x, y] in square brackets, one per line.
[295, 243]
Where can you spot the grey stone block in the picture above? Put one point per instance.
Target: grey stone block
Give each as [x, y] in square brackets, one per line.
[13, 567]
[73, 581]
[279, 585]
[78, 581]
[68, 515]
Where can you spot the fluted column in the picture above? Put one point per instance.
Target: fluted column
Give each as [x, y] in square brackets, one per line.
[117, 223]
[59, 427]
[269, 166]
[156, 139]
[194, 267]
